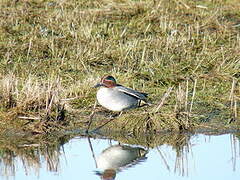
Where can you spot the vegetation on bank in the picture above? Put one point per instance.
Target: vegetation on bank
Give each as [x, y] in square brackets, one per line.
[184, 54]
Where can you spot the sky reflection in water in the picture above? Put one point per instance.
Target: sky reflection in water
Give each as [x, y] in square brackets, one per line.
[203, 157]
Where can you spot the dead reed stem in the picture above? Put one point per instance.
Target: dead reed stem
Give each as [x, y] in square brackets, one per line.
[163, 99]
[233, 101]
[163, 158]
[186, 97]
[232, 90]
[193, 95]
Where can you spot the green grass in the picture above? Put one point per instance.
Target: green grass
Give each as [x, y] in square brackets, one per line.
[59, 50]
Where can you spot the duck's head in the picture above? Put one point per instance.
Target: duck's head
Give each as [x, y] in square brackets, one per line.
[107, 81]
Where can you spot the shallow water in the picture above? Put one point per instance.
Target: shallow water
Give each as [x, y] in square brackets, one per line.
[200, 157]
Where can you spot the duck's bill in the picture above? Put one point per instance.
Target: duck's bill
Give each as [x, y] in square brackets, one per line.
[98, 85]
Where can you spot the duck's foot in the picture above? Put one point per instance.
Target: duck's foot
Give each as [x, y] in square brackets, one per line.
[115, 115]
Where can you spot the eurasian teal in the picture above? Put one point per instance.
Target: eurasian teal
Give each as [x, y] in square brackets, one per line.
[116, 97]
[118, 157]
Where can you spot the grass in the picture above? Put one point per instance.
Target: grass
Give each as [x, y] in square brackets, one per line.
[52, 53]
[30, 151]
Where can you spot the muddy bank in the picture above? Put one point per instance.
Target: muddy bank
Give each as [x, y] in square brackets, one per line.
[131, 123]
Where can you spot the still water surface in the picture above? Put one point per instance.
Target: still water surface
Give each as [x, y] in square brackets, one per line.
[202, 157]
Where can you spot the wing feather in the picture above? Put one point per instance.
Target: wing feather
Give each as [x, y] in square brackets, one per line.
[131, 92]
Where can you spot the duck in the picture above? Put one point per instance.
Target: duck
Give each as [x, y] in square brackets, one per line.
[116, 97]
[116, 158]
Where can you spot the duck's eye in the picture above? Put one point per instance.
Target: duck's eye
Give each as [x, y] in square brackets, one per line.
[110, 78]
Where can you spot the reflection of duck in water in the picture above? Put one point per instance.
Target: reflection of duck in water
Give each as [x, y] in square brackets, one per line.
[108, 174]
[117, 158]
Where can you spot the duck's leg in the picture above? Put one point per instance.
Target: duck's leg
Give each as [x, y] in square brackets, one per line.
[91, 117]
[111, 119]
[99, 127]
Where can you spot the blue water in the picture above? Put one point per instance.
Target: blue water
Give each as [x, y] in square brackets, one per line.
[204, 157]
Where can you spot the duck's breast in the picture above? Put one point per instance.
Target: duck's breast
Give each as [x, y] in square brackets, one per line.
[115, 100]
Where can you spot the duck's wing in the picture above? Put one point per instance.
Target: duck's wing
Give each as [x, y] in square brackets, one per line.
[131, 92]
